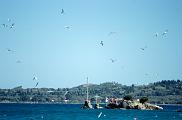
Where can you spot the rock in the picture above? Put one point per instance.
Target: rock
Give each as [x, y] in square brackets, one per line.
[134, 104]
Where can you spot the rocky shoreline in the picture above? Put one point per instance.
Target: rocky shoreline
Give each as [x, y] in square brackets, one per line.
[128, 104]
[124, 103]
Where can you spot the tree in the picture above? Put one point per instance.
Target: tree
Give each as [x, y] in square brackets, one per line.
[127, 97]
[143, 99]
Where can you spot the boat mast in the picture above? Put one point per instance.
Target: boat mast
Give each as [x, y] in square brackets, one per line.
[87, 88]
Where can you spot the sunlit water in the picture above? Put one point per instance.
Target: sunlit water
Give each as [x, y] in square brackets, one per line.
[73, 112]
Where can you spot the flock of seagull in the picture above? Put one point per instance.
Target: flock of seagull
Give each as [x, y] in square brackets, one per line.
[9, 24]
[163, 34]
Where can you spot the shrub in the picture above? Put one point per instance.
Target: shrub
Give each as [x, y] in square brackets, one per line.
[127, 97]
[143, 99]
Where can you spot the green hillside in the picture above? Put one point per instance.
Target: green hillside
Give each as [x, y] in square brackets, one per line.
[166, 91]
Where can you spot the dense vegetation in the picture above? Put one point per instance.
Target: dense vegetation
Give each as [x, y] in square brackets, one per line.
[166, 91]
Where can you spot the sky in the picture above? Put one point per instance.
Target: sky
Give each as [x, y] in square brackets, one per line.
[143, 37]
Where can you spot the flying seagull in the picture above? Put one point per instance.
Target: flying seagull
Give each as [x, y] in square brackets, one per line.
[9, 50]
[4, 25]
[36, 84]
[62, 11]
[165, 33]
[34, 78]
[111, 33]
[18, 61]
[101, 42]
[9, 20]
[143, 48]
[146, 74]
[65, 93]
[112, 60]
[67, 27]
[156, 34]
[12, 25]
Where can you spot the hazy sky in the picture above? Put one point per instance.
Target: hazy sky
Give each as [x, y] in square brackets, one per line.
[40, 45]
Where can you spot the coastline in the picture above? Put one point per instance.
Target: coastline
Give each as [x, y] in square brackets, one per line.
[36, 103]
[171, 104]
[70, 103]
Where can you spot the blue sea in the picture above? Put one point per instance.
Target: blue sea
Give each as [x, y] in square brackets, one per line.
[74, 112]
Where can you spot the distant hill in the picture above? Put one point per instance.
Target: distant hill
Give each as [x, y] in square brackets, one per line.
[165, 91]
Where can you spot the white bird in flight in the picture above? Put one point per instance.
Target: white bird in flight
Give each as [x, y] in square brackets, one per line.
[62, 11]
[36, 84]
[34, 78]
[12, 25]
[113, 60]
[111, 33]
[101, 42]
[10, 50]
[143, 48]
[65, 93]
[165, 33]
[9, 20]
[67, 27]
[18, 61]
[156, 34]
[4, 25]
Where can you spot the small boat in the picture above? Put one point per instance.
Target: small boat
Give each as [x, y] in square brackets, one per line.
[87, 104]
[97, 106]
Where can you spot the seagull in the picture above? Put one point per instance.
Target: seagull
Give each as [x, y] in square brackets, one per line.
[62, 11]
[111, 33]
[101, 42]
[65, 93]
[12, 25]
[156, 34]
[9, 50]
[35, 78]
[9, 20]
[36, 84]
[146, 74]
[112, 60]
[165, 33]
[67, 27]
[143, 48]
[18, 61]
[4, 25]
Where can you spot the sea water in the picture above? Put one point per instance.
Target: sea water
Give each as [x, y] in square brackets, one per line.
[74, 112]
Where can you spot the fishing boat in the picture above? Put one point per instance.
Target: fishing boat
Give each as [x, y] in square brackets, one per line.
[87, 104]
[97, 105]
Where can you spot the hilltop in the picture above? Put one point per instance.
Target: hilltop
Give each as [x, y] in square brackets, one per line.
[165, 91]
